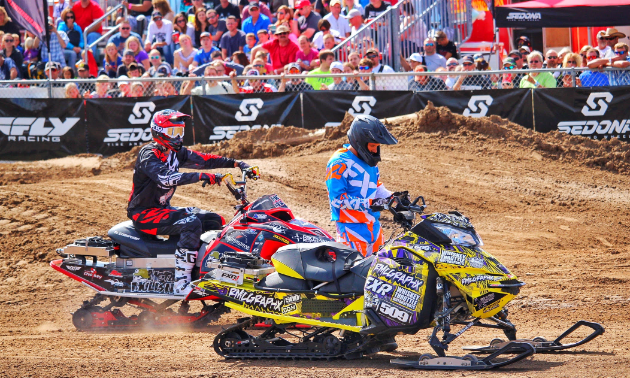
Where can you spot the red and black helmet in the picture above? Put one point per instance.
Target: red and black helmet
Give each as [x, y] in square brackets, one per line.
[167, 128]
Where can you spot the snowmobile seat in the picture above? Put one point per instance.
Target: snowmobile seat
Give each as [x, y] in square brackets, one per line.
[318, 262]
[134, 243]
[348, 283]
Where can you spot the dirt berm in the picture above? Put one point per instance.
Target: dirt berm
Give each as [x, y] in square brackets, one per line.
[553, 208]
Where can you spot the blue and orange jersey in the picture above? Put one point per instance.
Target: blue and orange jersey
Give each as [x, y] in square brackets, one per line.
[351, 184]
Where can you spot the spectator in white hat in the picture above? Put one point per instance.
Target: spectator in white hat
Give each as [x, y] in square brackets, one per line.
[355, 19]
[602, 46]
[412, 62]
[338, 83]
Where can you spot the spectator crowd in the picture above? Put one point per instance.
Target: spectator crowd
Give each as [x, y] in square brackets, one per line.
[256, 39]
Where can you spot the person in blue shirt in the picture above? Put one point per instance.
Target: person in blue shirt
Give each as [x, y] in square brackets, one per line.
[593, 78]
[256, 21]
[204, 55]
[355, 192]
[75, 36]
[120, 38]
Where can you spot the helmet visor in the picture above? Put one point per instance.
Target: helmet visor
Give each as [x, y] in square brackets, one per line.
[174, 131]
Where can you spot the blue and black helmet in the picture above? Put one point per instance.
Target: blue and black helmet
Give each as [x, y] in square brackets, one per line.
[368, 129]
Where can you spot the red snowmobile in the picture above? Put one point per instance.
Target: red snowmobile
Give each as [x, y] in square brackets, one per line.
[137, 269]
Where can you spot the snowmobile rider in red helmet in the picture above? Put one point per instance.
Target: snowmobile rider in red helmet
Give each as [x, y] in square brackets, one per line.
[156, 177]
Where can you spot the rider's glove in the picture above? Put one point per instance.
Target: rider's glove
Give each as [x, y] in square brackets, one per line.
[210, 178]
[242, 165]
[378, 204]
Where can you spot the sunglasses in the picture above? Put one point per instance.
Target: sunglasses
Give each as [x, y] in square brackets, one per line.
[157, 19]
[509, 67]
[468, 64]
[552, 57]
[610, 38]
[452, 65]
[571, 62]
[620, 52]
[259, 65]
[182, 20]
[67, 17]
[281, 13]
[534, 61]
[125, 28]
[583, 55]
[429, 44]
[294, 71]
[279, 34]
[364, 67]
[591, 57]
[9, 40]
[371, 56]
[155, 57]
[323, 29]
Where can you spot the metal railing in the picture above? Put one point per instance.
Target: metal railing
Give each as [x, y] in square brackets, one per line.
[411, 81]
[106, 35]
[402, 29]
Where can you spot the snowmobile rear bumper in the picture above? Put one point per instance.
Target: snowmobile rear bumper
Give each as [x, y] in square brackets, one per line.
[541, 344]
[468, 362]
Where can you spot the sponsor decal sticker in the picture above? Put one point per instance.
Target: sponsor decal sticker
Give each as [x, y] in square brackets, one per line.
[93, 274]
[73, 268]
[406, 298]
[265, 301]
[479, 278]
[377, 286]
[454, 258]
[394, 313]
[293, 298]
[400, 278]
[289, 308]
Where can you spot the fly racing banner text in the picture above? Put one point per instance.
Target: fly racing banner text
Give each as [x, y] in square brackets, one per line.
[327, 108]
[596, 113]
[513, 104]
[34, 129]
[218, 118]
[119, 124]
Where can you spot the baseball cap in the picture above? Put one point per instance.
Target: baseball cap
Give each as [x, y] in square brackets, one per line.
[128, 52]
[515, 52]
[353, 13]
[509, 61]
[371, 51]
[133, 66]
[124, 81]
[254, 4]
[282, 29]
[204, 35]
[333, 2]
[252, 72]
[262, 31]
[337, 65]
[416, 57]
[49, 65]
[293, 65]
[302, 3]
[82, 66]
[468, 59]
[525, 48]
[156, 14]
[162, 70]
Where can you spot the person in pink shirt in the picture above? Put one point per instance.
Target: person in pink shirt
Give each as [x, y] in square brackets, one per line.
[306, 54]
[86, 12]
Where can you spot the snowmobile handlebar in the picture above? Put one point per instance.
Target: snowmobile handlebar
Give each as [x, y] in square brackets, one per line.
[239, 188]
[403, 209]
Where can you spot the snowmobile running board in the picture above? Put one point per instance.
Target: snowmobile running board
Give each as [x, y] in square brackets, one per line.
[468, 362]
[137, 295]
[540, 343]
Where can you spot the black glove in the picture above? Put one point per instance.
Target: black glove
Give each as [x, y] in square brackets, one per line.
[210, 178]
[379, 204]
[242, 165]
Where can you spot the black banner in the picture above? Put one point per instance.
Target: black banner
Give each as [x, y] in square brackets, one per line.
[596, 113]
[513, 104]
[517, 16]
[34, 129]
[220, 117]
[118, 124]
[324, 108]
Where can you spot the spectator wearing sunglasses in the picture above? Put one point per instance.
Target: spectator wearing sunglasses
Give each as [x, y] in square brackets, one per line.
[120, 38]
[324, 29]
[374, 55]
[537, 79]
[612, 36]
[571, 60]
[583, 51]
[431, 57]
[159, 35]
[11, 52]
[552, 60]
[605, 51]
[281, 49]
[594, 78]
[507, 79]
[256, 21]
[620, 76]
[295, 84]
[75, 37]
[471, 82]
[426, 83]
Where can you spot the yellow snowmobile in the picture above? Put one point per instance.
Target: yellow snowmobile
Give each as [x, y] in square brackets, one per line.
[433, 274]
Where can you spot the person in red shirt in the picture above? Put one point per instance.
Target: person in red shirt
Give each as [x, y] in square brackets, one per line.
[255, 86]
[283, 51]
[86, 12]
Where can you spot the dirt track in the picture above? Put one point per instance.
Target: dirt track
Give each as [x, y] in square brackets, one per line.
[557, 219]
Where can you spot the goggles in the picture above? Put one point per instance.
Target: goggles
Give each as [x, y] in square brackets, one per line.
[174, 132]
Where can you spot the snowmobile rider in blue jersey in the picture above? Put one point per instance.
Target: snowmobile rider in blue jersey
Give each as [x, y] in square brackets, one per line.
[355, 191]
[156, 177]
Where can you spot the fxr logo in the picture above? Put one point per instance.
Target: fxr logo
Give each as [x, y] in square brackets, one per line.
[249, 109]
[362, 105]
[141, 113]
[597, 109]
[478, 106]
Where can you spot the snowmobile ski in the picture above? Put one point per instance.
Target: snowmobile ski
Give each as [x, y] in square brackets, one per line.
[540, 343]
[468, 362]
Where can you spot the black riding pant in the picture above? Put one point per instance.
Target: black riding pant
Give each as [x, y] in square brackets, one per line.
[188, 222]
